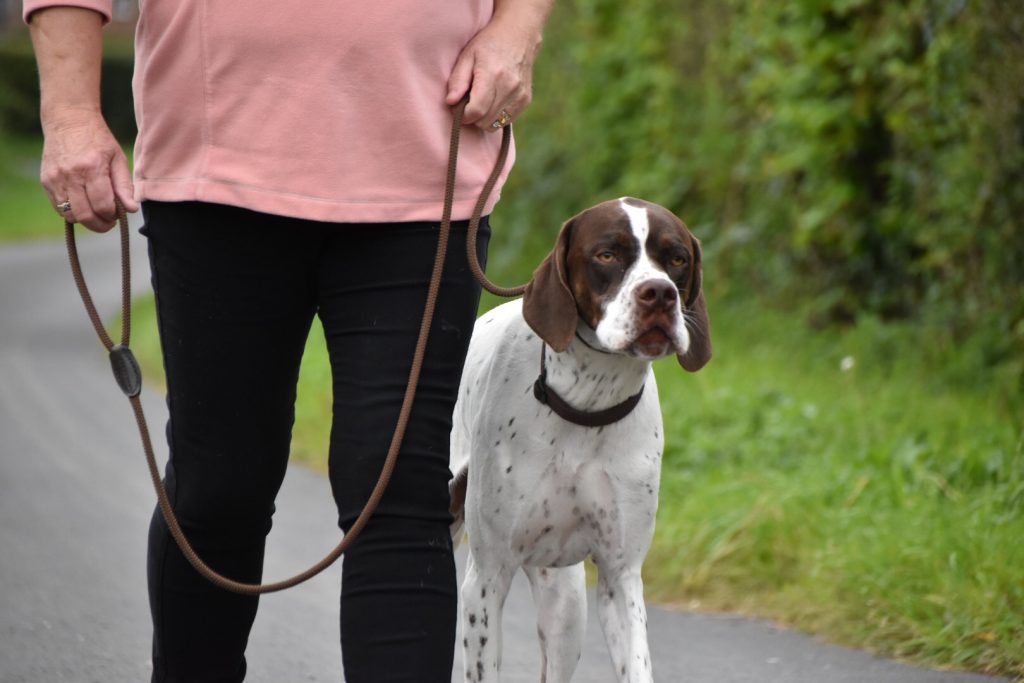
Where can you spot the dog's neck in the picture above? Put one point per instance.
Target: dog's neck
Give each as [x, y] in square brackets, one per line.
[590, 379]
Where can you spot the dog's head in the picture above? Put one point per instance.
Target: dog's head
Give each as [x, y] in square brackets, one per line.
[627, 274]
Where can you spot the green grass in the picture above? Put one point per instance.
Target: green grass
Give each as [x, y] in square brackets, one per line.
[25, 211]
[881, 506]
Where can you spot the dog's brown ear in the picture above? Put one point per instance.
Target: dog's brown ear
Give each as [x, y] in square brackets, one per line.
[548, 304]
[695, 316]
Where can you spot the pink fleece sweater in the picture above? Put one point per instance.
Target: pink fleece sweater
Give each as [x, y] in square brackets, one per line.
[318, 109]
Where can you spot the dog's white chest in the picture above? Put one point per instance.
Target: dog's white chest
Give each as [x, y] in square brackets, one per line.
[546, 492]
[572, 510]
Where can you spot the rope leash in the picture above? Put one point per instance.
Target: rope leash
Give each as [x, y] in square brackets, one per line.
[129, 376]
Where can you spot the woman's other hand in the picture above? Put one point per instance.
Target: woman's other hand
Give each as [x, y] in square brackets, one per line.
[496, 67]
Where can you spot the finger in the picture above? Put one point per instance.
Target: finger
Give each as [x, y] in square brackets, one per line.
[461, 78]
[71, 216]
[53, 184]
[481, 99]
[121, 176]
[58, 196]
[499, 116]
[82, 211]
[100, 192]
[510, 100]
[57, 200]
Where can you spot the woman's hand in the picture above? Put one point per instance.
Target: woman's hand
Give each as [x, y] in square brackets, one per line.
[496, 67]
[84, 165]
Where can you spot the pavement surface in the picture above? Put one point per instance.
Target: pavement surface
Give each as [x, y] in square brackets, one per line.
[75, 502]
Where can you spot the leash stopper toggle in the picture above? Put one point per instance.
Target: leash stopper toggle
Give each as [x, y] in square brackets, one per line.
[126, 370]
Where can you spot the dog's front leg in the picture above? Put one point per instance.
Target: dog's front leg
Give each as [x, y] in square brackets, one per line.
[483, 596]
[623, 617]
[560, 594]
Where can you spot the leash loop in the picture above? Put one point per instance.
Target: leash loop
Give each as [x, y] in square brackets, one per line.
[474, 221]
[129, 376]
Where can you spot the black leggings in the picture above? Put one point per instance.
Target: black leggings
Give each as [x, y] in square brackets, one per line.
[236, 293]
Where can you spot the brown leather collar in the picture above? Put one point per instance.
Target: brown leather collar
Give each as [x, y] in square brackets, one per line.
[597, 418]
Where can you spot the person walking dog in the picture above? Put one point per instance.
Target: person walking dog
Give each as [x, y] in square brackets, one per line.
[290, 163]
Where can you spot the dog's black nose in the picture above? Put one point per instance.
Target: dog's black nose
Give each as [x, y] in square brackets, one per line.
[657, 295]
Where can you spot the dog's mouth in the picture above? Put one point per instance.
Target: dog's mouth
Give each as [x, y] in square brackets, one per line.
[653, 343]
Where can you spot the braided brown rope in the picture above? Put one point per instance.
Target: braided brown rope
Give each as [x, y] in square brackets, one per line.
[407, 402]
[474, 221]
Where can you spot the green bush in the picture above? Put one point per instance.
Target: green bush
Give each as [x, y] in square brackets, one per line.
[866, 154]
[884, 142]
[19, 87]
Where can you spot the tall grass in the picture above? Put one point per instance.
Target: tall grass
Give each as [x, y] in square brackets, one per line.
[839, 483]
[25, 210]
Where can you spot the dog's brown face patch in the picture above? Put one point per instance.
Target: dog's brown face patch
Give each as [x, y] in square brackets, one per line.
[602, 248]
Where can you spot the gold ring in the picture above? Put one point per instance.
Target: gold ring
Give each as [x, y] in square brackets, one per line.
[64, 206]
[504, 118]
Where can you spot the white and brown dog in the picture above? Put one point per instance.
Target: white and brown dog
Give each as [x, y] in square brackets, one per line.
[554, 468]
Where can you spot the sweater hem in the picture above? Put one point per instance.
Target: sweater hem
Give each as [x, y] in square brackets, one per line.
[303, 207]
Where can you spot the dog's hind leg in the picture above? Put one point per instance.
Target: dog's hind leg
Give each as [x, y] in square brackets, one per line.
[560, 594]
[483, 596]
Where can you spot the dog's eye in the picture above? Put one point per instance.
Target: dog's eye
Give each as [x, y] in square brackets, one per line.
[605, 256]
[677, 261]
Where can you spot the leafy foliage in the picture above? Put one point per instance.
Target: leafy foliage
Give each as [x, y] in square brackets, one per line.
[865, 153]
[19, 86]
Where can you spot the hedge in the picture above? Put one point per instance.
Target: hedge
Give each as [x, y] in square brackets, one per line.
[19, 87]
[863, 156]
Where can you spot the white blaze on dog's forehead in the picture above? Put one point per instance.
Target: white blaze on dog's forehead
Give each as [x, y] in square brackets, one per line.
[637, 220]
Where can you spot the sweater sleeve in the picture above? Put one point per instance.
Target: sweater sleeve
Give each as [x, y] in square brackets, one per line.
[104, 7]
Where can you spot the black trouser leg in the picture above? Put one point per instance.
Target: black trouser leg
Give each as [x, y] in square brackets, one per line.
[234, 306]
[398, 586]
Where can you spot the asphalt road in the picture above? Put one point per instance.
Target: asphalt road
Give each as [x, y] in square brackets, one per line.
[75, 501]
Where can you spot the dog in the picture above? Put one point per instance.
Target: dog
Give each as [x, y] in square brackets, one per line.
[557, 434]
